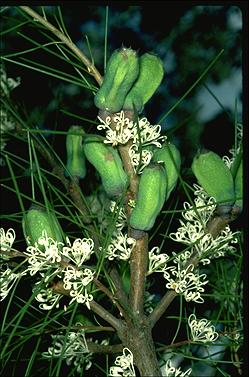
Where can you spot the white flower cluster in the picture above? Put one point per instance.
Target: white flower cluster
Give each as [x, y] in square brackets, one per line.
[180, 279]
[142, 135]
[157, 262]
[120, 246]
[192, 230]
[186, 281]
[124, 365]
[7, 239]
[7, 277]
[201, 330]
[50, 258]
[48, 298]
[74, 349]
[7, 281]
[170, 371]
[121, 221]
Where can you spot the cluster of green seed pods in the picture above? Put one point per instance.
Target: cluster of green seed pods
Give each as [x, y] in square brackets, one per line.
[76, 162]
[38, 219]
[217, 179]
[108, 164]
[129, 82]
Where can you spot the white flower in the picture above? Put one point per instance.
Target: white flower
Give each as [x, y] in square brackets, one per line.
[120, 130]
[121, 216]
[139, 160]
[124, 365]
[72, 348]
[201, 330]
[80, 251]
[76, 281]
[7, 239]
[192, 230]
[186, 282]
[48, 298]
[44, 255]
[170, 371]
[182, 257]
[157, 262]
[121, 133]
[7, 281]
[120, 246]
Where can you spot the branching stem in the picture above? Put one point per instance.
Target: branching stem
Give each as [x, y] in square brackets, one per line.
[90, 66]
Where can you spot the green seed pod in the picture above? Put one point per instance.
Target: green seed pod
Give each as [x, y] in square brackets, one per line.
[108, 164]
[150, 197]
[76, 162]
[238, 185]
[150, 76]
[214, 176]
[36, 220]
[171, 157]
[121, 72]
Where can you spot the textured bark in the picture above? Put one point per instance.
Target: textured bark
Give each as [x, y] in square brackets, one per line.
[139, 341]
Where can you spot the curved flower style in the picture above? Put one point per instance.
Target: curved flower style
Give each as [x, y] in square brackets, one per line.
[80, 251]
[45, 259]
[120, 246]
[201, 330]
[122, 132]
[121, 221]
[73, 348]
[7, 281]
[170, 371]
[186, 282]
[192, 230]
[124, 365]
[139, 160]
[48, 257]
[7, 239]
[48, 299]
[76, 281]
[157, 262]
